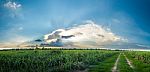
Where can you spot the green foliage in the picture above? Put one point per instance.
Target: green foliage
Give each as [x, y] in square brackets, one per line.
[123, 65]
[50, 60]
[104, 66]
[140, 60]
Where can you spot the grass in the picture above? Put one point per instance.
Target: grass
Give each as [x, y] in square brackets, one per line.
[138, 61]
[50, 60]
[104, 66]
[72, 61]
[123, 65]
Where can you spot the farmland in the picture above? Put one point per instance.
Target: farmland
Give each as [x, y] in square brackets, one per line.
[74, 61]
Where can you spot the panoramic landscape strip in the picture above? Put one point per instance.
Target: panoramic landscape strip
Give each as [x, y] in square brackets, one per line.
[74, 35]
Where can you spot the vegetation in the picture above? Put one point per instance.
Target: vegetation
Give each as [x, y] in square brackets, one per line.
[41, 60]
[50, 60]
[123, 66]
[104, 66]
[140, 60]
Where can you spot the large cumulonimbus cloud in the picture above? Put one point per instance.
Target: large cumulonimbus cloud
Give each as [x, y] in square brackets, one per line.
[88, 34]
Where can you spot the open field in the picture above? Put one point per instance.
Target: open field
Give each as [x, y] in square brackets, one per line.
[74, 61]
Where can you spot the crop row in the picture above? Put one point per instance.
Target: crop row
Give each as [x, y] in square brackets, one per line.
[51, 60]
[140, 60]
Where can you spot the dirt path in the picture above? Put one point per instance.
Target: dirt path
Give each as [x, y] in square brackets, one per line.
[114, 69]
[129, 63]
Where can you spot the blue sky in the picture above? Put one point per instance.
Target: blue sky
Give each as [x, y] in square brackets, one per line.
[30, 19]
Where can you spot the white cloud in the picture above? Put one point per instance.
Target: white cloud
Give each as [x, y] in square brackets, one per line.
[12, 5]
[88, 34]
[14, 9]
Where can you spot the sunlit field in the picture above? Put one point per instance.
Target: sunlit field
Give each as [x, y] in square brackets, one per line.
[74, 35]
[39, 60]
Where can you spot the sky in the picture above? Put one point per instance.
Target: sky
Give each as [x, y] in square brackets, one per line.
[23, 20]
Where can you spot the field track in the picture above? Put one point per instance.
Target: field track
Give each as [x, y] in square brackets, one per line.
[74, 61]
[128, 61]
[114, 69]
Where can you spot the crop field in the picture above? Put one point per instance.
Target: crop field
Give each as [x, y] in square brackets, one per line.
[74, 61]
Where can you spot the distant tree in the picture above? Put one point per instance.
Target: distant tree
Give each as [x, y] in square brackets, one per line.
[43, 47]
[36, 46]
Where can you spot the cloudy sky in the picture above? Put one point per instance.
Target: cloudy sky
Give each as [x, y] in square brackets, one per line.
[22, 20]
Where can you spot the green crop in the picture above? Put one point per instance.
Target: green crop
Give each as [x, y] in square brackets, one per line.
[50, 60]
